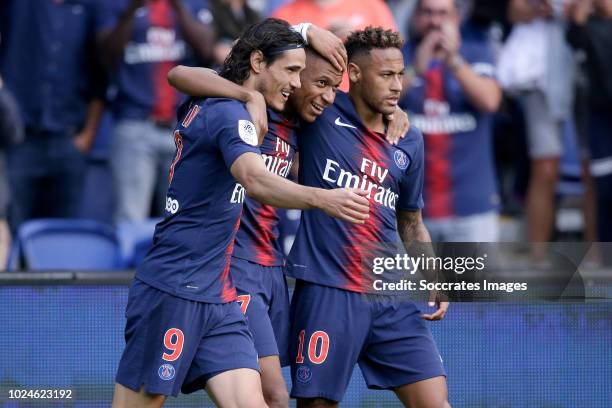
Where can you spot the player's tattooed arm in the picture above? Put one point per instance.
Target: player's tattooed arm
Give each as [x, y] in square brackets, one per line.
[398, 124]
[206, 83]
[411, 227]
[416, 239]
[268, 188]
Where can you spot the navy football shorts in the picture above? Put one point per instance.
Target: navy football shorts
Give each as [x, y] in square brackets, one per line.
[334, 329]
[174, 344]
[264, 298]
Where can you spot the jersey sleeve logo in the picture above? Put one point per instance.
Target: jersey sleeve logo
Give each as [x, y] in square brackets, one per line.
[247, 132]
[401, 160]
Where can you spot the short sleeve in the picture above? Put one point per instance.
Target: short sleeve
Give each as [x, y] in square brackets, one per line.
[411, 185]
[232, 131]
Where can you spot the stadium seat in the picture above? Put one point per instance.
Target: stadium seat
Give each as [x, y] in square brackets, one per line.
[136, 237]
[69, 244]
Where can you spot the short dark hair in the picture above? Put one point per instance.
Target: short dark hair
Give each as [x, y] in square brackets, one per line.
[363, 41]
[270, 36]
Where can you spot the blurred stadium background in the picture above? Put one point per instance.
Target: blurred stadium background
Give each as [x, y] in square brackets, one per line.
[69, 238]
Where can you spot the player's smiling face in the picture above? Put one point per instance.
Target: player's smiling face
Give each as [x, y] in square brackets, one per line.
[320, 80]
[281, 78]
[382, 77]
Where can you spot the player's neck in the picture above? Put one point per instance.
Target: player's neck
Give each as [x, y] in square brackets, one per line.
[251, 83]
[371, 119]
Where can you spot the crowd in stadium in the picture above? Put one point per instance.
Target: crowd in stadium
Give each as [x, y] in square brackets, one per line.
[212, 116]
[505, 94]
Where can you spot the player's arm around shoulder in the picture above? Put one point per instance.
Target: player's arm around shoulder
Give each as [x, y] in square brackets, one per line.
[398, 125]
[268, 188]
[206, 83]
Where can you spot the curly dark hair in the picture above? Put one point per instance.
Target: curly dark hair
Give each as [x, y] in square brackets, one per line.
[269, 36]
[363, 41]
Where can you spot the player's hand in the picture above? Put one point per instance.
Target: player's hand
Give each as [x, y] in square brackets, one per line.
[256, 106]
[435, 301]
[397, 126]
[327, 44]
[346, 204]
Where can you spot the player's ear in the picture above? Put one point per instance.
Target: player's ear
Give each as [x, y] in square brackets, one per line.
[257, 61]
[354, 72]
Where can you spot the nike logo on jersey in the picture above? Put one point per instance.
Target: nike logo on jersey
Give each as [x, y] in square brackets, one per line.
[340, 123]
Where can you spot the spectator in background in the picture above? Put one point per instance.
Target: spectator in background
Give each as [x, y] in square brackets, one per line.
[230, 17]
[547, 104]
[272, 5]
[450, 94]
[48, 62]
[11, 133]
[141, 41]
[338, 16]
[590, 31]
[402, 11]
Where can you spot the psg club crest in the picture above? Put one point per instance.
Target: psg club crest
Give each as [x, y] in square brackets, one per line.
[303, 374]
[401, 160]
[166, 372]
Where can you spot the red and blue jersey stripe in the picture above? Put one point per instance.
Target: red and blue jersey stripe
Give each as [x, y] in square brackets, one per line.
[257, 239]
[339, 151]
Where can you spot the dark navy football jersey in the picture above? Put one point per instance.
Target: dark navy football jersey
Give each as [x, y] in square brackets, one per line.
[192, 246]
[257, 239]
[339, 151]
